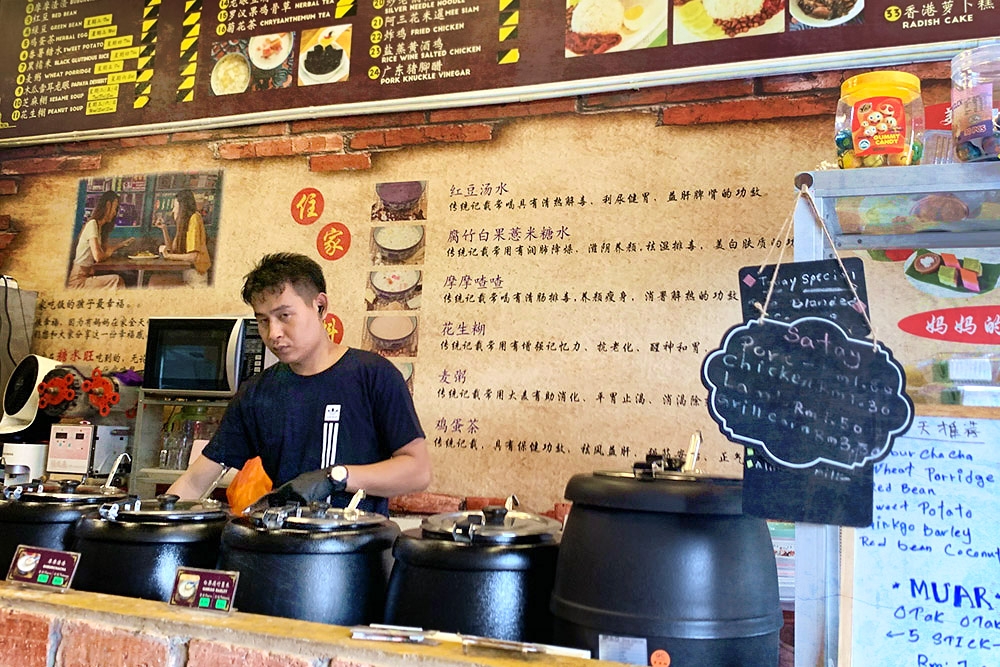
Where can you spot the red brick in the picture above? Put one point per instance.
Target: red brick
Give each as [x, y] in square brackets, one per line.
[146, 140]
[9, 186]
[6, 238]
[202, 653]
[798, 83]
[757, 108]
[685, 92]
[564, 105]
[24, 638]
[51, 164]
[426, 503]
[272, 147]
[197, 135]
[340, 162]
[38, 150]
[366, 121]
[317, 143]
[96, 146]
[234, 150]
[466, 133]
[479, 502]
[87, 645]
[414, 136]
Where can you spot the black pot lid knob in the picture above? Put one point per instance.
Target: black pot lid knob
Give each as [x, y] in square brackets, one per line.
[68, 485]
[168, 501]
[494, 515]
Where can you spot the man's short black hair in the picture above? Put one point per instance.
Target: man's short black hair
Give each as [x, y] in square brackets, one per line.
[278, 269]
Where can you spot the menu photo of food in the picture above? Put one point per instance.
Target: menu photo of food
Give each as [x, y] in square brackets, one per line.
[705, 20]
[957, 272]
[608, 26]
[262, 62]
[824, 13]
[325, 55]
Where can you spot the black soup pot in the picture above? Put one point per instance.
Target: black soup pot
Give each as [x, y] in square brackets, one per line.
[488, 573]
[671, 560]
[133, 547]
[43, 515]
[316, 563]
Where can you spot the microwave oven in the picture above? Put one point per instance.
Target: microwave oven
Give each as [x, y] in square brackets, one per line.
[202, 357]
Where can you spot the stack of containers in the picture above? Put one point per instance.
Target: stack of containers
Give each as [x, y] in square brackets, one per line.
[975, 97]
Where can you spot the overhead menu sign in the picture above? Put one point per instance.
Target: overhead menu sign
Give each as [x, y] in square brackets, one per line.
[80, 68]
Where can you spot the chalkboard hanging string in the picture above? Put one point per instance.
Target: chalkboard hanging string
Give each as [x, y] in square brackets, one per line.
[782, 234]
[862, 307]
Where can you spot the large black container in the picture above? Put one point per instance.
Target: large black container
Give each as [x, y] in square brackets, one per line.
[43, 515]
[134, 547]
[487, 573]
[322, 564]
[671, 561]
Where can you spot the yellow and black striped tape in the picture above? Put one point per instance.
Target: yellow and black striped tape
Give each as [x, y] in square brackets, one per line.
[345, 8]
[510, 16]
[191, 29]
[147, 54]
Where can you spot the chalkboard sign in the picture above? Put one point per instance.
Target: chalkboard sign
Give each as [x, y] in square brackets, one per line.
[815, 409]
[808, 289]
[926, 572]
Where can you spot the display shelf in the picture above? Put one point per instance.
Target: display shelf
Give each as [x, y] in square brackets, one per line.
[949, 205]
[153, 413]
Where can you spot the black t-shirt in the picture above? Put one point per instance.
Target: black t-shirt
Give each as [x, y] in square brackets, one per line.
[355, 412]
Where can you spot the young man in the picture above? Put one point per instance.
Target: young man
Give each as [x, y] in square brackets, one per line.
[328, 419]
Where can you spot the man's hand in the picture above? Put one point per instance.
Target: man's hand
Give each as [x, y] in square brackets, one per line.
[304, 489]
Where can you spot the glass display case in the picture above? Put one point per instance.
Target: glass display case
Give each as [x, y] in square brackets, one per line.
[878, 210]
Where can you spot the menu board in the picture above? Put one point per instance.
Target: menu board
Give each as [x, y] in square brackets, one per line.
[79, 68]
[926, 572]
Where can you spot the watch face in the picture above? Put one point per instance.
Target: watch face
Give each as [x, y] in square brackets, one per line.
[338, 474]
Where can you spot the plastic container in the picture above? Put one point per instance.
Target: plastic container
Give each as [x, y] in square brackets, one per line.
[975, 97]
[880, 120]
[939, 145]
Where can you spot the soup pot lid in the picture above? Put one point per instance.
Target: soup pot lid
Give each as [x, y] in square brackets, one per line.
[165, 507]
[65, 491]
[666, 491]
[320, 517]
[493, 524]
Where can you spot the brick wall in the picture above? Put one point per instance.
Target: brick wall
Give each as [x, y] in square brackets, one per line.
[79, 629]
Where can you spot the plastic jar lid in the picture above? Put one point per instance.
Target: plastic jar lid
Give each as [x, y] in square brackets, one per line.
[882, 83]
[982, 57]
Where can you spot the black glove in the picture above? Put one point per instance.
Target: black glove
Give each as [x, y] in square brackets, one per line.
[304, 489]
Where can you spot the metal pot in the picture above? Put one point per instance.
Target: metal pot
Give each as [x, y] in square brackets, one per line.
[670, 563]
[316, 563]
[133, 547]
[488, 573]
[44, 514]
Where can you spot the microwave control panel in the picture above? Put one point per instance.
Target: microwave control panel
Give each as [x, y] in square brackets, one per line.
[254, 355]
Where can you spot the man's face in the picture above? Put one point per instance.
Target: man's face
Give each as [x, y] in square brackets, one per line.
[290, 326]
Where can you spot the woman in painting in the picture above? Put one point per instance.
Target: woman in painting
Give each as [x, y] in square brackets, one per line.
[189, 243]
[94, 246]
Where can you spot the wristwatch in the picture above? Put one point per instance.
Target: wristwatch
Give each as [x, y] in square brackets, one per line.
[338, 474]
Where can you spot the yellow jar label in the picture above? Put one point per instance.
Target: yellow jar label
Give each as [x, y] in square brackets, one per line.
[879, 126]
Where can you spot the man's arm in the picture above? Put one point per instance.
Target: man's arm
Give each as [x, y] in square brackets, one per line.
[196, 480]
[407, 471]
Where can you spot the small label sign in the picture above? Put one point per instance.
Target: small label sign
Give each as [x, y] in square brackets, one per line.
[213, 590]
[48, 568]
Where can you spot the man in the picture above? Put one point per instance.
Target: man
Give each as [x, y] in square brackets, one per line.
[328, 419]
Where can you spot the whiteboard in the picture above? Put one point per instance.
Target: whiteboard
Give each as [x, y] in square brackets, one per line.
[924, 578]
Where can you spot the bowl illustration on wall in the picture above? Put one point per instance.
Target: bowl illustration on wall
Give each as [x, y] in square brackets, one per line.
[397, 243]
[230, 74]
